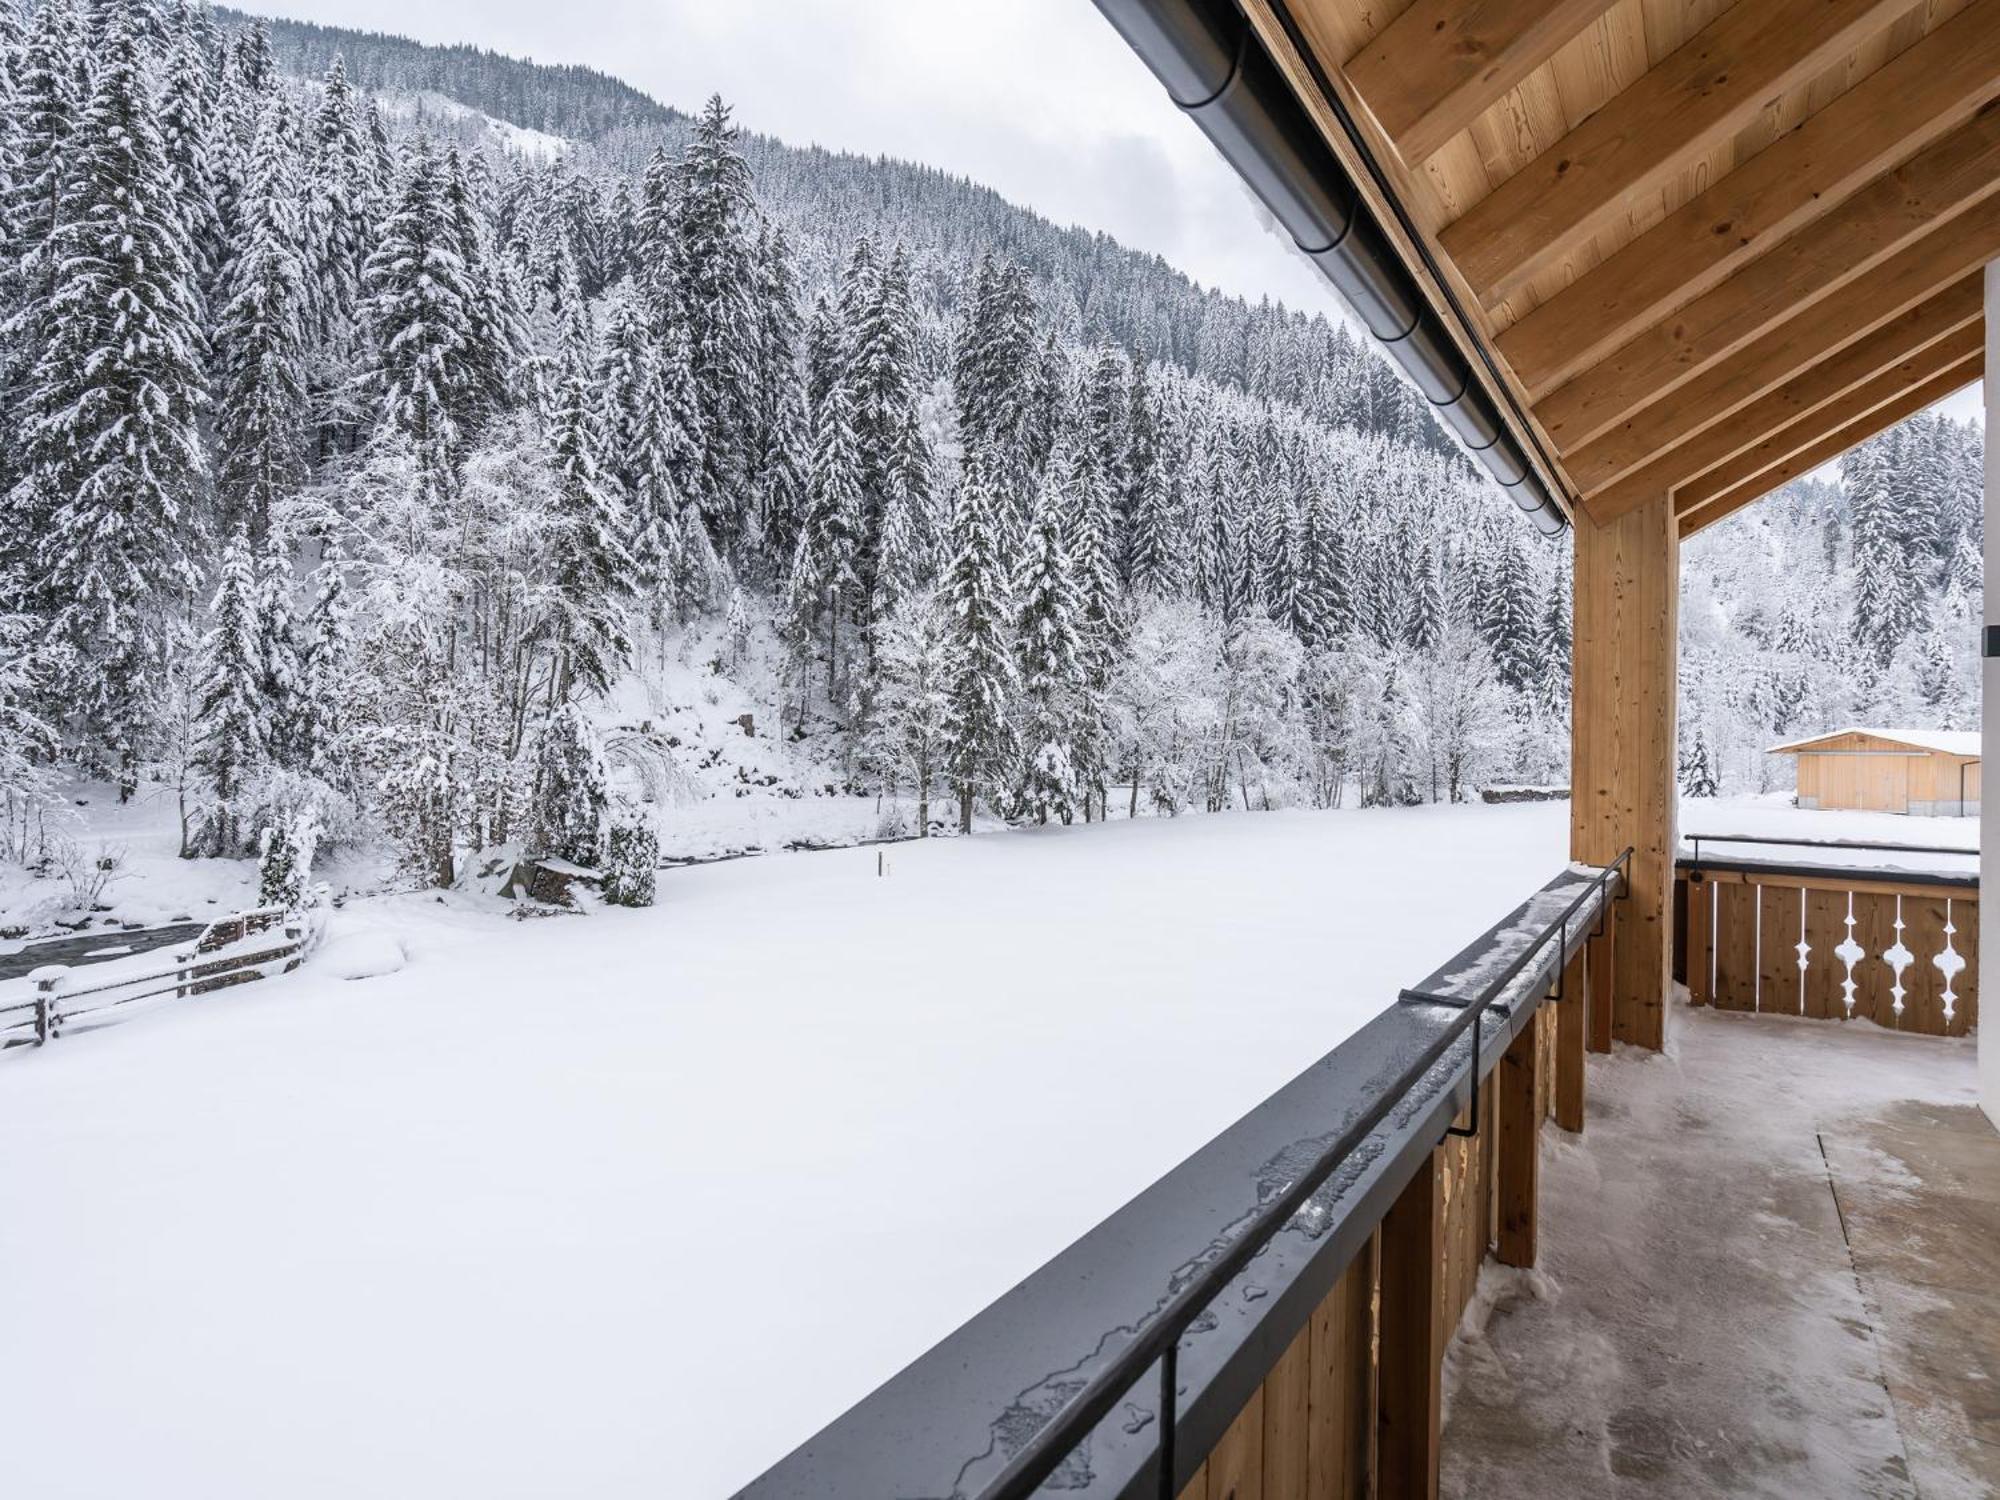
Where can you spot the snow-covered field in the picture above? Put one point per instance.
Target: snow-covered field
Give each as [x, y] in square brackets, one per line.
[632, 1203]
[1773, 816]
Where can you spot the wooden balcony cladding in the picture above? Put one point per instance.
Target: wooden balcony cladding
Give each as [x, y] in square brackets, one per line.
[1352, 1408]
[1902, 954]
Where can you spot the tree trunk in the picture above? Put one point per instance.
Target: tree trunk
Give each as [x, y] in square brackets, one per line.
[965, 808]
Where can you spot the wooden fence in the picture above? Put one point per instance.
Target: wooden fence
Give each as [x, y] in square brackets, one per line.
[1832, 945]
[1354, 1406]
[234, 950]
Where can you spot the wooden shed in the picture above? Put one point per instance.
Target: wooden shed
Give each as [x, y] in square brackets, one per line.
[1929, 772]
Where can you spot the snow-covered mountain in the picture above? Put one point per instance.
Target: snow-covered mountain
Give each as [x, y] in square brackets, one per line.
[505, 458]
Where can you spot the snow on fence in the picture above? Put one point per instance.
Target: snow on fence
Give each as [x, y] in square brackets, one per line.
[1829, 937]
[233, 950]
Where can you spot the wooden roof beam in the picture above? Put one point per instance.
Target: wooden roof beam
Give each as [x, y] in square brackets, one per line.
[1441, 64]
[1920, 95]
[1833, 444]
[1893, 212]
[1696, 98]
[1952, 316]
[1888, 386]
[1907, 279]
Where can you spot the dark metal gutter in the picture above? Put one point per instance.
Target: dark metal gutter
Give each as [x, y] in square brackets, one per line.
[1254, 1229]
[1219, 73]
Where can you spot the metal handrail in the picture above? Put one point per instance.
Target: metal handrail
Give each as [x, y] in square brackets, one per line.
[1863, 845]
[1159, 1342]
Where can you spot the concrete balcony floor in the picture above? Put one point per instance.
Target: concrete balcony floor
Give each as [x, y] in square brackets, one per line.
[1770, 1267]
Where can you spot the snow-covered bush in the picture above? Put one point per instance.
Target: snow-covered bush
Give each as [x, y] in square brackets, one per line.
[631, 861]
[284, 866]
[572, 792]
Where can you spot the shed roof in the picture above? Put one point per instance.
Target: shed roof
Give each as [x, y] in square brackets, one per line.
[1963, 742]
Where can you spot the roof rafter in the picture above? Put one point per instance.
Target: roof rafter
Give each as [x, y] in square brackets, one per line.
[1800, 436]
[1946, 315]
[1917, 97]
[1906, 279]
[1442, 63]
[1895, 211]
[1833, 444]
[1695, 99]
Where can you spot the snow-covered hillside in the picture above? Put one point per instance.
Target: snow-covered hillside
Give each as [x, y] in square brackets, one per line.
[538, 1212]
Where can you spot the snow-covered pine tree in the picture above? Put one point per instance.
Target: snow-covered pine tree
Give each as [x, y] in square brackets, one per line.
[28, 785]
[779, 437]
[1697, 767]
[593, 571]
[282, 681]
[894, 465]
[995, 384]
[342, 201]
[571, 791]
[44, 101]
[325, 661]
[715, 284]
[418, 312]
[1047, 641]
[115, 462]
[981, 745]
[1107, 437]
[234, 727]
[1887, 590]
[261, 342]
[187, 127]
[824, 584]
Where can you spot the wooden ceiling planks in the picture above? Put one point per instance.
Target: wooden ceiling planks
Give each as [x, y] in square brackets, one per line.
[1823, 158]
[1690, 104]
[1694, 233]
[1895, 211]
[1442, 64]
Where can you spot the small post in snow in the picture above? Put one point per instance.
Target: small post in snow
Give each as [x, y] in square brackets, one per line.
[48, 982]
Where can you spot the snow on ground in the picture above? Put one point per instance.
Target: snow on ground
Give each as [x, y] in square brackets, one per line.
[537, 146]
[590, 1205]
[1772, 815]
[148, 883]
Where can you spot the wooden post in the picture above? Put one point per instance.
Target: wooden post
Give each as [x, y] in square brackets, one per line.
[1520, 1147]
[1622, 744]
[1701, 938]
[1410, 1376]
[1597, 972]
[1571, 1014]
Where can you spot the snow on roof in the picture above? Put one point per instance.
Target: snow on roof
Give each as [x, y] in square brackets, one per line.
[1944, 741]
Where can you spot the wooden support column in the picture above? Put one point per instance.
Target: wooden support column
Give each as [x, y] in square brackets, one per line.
[1520, 1146]
[1597, 1000]
[1410, 1375]
[1571, 1014]
[1622, 745]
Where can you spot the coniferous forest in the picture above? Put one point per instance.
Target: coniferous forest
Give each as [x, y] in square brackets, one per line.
[392, 430]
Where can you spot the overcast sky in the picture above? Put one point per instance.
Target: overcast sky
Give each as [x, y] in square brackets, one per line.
[1038, 99]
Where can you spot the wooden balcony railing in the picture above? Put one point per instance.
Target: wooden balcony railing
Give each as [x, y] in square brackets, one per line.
[1839, 935]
